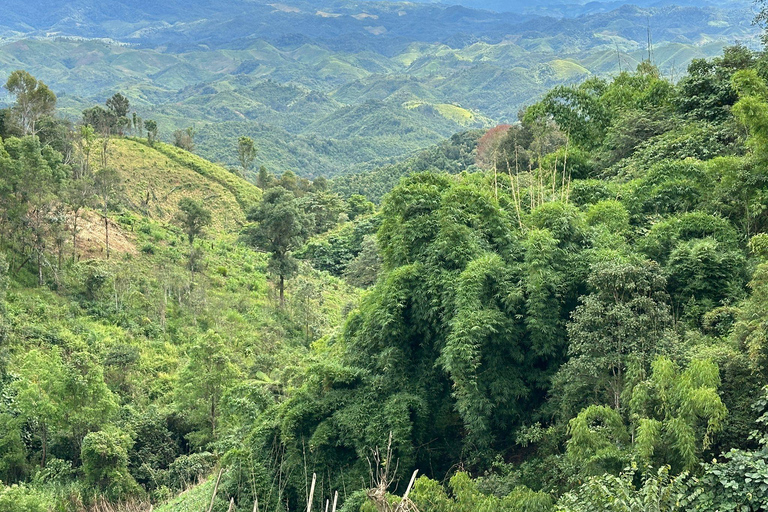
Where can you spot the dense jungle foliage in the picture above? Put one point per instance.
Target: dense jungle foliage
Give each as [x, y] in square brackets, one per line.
[563, 314]
[577, 324]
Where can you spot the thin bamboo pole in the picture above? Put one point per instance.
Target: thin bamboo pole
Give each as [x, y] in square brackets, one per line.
[215, 490]
[311, 492]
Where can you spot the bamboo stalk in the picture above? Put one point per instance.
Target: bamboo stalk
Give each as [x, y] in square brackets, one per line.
[495, 176]
[256, 504]
[554, 178]
[215, 490]
[410, 484]
[335, 500]
[231, 505]
[565, 163]
[311, 492]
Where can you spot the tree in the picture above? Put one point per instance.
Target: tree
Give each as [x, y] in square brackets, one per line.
[79, 195]
[622, 323]
[264, 179]
[488, 146]
[33, 100]
[246, 153]
[193, 217]
[675, 413]
[324, 209]
[279, 228]
[99, 119]
[136, 123]
[207, 375]
[151, 127]
[31, 180]
[358, 206]
[107, 183]
[364, 269]
[761, 18]
[118, 107]
[105, 463]
[185, 139]
[40, 394]
[85, 142]
[703, 274]
[599, 441]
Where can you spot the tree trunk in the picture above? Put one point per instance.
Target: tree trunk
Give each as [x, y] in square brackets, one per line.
[74, 239]
[282, 290]
[213, 417]
[106, 232]
[44, 437]
[39, 268]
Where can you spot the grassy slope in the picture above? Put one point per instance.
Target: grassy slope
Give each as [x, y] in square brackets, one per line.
[195, 499]
[155, 179]
[206, 177]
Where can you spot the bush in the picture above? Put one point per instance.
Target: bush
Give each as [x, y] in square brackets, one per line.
[19, 498]
[105, 463]
[187, 469]
[55, 471]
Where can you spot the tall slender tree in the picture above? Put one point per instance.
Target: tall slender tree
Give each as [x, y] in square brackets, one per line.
[246, 153]
[33, 100]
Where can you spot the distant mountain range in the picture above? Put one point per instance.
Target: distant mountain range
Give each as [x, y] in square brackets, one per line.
[578, 8]
[336, 86]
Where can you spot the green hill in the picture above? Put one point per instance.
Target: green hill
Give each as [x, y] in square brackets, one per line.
[327, 95]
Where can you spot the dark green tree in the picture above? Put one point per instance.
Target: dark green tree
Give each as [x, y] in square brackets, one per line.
[118, 107]
[280, 226]
[194, 217]
[151, 127]
[264, 179]
[619, 327]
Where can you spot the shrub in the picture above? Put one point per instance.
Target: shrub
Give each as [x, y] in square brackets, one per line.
[19, 498]
[105, 463]
[187, 469]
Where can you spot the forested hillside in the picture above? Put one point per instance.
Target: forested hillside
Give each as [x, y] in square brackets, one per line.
[570, 318]
[133, 303]
[563, 313]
